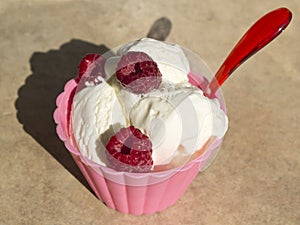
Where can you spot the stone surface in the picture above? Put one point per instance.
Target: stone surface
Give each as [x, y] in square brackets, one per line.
[255, 178]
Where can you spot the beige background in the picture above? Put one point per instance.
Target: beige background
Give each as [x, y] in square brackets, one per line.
[255, 178]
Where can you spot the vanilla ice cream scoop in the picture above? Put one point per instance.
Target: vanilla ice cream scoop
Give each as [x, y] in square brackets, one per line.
[96, 114]
[170, 58]
[178, 117]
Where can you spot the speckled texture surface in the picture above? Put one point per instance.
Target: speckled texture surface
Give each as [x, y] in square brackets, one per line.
[255, 178]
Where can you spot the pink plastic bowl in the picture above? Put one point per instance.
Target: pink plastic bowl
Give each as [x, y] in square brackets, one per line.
[133, 193]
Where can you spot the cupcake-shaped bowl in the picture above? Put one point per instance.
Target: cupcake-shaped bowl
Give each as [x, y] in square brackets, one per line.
[129, 191]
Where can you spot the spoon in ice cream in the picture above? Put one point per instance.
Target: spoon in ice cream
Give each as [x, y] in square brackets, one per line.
[259, 35]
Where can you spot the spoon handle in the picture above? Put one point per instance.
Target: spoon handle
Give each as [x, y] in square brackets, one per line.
[259, 35]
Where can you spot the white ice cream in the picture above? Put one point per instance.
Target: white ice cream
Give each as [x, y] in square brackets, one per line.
[177, 115]
[170, 58]
[96, 113]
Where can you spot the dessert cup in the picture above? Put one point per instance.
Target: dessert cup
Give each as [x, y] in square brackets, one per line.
[137, 193]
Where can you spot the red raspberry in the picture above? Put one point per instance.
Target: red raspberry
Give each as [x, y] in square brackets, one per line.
[130, 150]
[138, 72]
[94, 63]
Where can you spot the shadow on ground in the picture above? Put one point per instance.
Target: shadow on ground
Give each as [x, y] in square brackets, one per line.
[36, 98]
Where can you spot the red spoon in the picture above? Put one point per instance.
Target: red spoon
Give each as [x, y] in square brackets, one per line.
[259, 35]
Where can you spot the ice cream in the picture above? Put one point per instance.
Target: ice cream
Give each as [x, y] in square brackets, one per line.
[176, 116]
[170, 58]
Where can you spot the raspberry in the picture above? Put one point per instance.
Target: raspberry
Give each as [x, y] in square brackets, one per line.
[138, 72]
[130, 150]
[94, 63]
